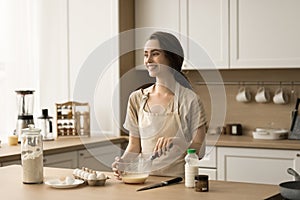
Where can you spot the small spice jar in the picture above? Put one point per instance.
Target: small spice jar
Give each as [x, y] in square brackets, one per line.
[201, 183]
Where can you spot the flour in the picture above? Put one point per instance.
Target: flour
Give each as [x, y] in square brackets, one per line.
[32, 167]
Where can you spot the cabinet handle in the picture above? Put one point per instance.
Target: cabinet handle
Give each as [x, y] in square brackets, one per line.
[81, 154]
[44, 160]
[298, 154]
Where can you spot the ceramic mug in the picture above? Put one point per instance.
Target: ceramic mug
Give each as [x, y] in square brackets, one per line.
[280, 96]
[243, 95]
[262, 95]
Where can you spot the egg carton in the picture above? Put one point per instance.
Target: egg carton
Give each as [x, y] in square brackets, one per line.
[90, 177]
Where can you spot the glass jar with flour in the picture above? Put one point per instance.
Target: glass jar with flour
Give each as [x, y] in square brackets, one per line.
[32, 155]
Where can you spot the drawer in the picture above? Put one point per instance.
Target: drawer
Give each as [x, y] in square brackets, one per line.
[211, 173]
[210, 158]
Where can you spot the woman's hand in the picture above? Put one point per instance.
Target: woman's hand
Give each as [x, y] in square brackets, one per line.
[115, 167]
[163, 145]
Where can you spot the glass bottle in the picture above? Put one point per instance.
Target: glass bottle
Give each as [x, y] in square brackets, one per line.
[32, 155]
[191, 168]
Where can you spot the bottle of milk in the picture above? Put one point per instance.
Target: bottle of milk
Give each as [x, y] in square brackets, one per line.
[191, 167]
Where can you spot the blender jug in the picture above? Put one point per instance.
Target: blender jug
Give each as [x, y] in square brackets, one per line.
[25, 110]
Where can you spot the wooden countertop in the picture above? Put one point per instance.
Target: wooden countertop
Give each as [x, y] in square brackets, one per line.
[114, 189]
[244, 141]
[8, 153]
[61, 145]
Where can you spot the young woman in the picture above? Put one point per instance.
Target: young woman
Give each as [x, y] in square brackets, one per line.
[168, 117]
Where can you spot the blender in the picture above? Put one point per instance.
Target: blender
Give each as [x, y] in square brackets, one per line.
[25, 110]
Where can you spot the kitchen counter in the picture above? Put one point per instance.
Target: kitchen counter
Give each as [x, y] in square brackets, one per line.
[8, 153]
[114, 189]
[60, 145]
[248, 142]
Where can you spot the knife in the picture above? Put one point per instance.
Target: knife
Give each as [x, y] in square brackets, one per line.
[161, 184]
[295, 113]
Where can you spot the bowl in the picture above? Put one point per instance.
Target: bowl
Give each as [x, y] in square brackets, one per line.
[134, 171]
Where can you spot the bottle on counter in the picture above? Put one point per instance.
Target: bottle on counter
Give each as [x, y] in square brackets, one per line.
[191, 168]
[32, 155]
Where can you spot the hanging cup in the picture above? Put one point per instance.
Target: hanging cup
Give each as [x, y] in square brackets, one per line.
[243, 95]
[280, 96]
[262, 95]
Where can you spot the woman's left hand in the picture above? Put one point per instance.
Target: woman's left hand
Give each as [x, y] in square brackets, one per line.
[163, 145]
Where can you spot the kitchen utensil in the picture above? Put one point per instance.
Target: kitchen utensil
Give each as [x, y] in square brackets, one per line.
[163, 183]
[270, 134]
[290, 190]
[294, 173]
[295, 126]
[135, 171]
[25, 110]
[45, 124]
[56, 183]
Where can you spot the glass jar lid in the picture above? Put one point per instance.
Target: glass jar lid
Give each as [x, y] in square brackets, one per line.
[31, 130]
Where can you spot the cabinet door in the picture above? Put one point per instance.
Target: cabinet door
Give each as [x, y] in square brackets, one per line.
[264, 33]
[207, 29]
[256, 165]
[154, 15]
[99, 158]
[93, 24]
[14, 162]
[61, 160]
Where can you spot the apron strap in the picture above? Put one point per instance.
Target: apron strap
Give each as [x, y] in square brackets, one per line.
[176, 98]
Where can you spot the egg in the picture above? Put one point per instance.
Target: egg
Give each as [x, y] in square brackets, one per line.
[92, 177]
[75, 171]
[86, 175]
[69, 180]
[81, 175]
[101, 176]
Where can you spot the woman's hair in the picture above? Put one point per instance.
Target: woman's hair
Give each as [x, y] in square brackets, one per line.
[174, 53]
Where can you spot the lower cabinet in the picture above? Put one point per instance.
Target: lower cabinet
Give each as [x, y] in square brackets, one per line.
[61, 160]
[13, 162]
[208, 164]
[99, 158]
[268, 166]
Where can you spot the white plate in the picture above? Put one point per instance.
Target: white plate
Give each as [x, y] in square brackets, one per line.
[55, 183]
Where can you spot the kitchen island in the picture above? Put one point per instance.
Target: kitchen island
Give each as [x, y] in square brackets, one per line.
[13, 188]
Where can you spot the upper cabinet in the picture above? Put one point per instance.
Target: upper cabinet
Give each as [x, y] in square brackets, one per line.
[152, 16]
[207, 29]
[264, 33]
[233, 33]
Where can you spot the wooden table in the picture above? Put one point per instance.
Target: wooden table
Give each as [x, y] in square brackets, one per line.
[12, 188]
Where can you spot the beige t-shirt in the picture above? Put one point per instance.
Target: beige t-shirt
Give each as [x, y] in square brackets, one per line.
[191, 111]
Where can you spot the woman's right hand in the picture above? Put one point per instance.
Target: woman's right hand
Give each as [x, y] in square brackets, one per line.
[115, 169]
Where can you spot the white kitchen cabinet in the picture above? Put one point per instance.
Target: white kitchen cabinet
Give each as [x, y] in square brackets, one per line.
[234, 33]
[61, 160]
[13, 162]
[207, 28]
[253, 165]
[151, 16]
[99, 158]
[93, 59]
[208, 164]
[264, 34]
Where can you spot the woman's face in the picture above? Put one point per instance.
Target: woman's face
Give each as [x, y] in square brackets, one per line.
[155, 59]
